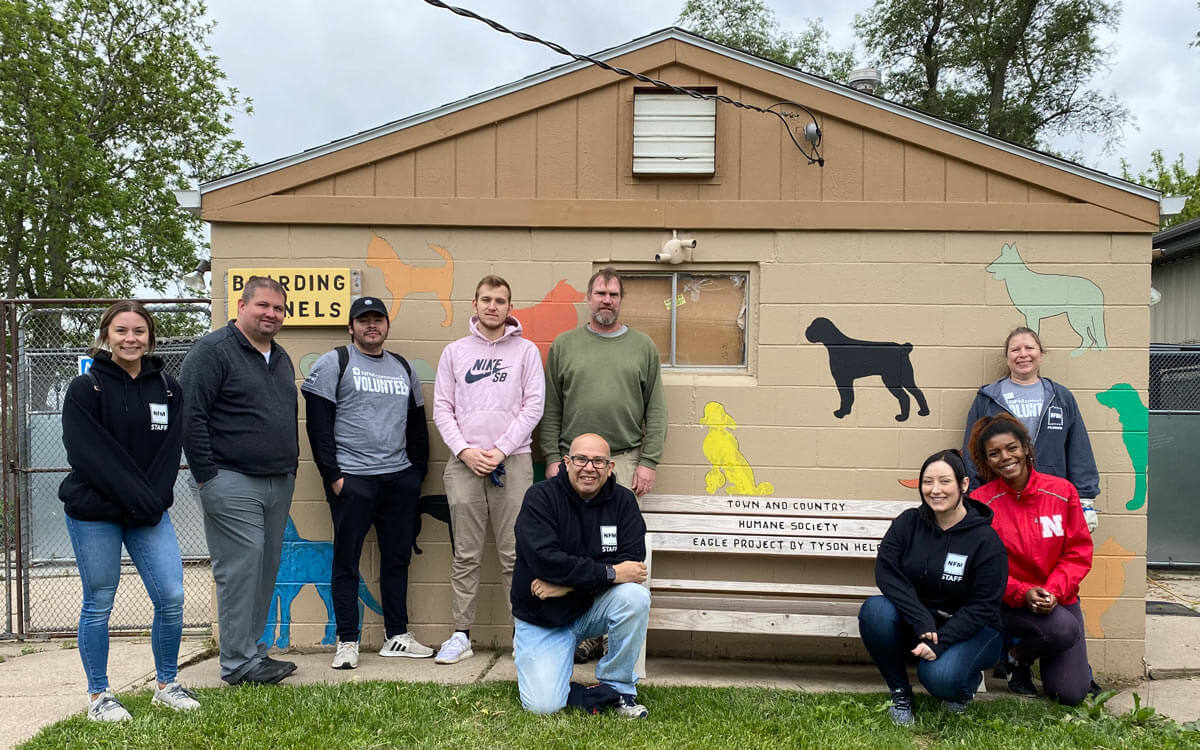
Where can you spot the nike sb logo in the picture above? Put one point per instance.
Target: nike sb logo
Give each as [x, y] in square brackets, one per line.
[486, 368]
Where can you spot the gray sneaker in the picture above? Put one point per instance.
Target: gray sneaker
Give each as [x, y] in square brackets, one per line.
[901, 708]
[106, 707]
[175, 696]
[957, 707]
[628, 707]
[406, 645]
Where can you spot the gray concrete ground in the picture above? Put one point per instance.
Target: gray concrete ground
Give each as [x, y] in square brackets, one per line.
[42, 682]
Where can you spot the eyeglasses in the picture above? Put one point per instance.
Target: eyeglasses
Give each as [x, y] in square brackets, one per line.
[598, 462]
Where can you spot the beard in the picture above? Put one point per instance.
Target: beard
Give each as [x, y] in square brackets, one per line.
[605, 317]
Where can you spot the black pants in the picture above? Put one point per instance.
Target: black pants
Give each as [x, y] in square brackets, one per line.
[389, 502]
[1059, 642]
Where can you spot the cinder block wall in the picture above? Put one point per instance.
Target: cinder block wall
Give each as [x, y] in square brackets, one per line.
[931, 289]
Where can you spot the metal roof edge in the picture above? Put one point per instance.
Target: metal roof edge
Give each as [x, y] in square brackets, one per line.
[676, 33]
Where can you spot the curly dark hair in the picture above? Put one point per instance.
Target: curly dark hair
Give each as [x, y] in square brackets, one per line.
[987, 428]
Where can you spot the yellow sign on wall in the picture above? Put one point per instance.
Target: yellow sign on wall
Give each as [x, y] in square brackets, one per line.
[315, 296]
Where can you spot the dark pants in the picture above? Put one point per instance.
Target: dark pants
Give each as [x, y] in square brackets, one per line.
[389, 502]
[953, 676]
[1058, 641]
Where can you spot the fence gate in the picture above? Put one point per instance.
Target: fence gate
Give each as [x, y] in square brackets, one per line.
[46, 344]
[1173, 533]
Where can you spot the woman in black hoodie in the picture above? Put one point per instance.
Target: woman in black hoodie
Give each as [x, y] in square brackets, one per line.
[942, 571]
[123, 434]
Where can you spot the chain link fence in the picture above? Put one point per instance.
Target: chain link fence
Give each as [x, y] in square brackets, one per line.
[1174, 378]
[52, 344]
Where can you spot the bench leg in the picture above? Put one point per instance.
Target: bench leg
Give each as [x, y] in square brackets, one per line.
[641, 662]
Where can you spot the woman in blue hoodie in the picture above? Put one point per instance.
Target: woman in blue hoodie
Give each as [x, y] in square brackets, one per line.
[941, 570]
[123, 434]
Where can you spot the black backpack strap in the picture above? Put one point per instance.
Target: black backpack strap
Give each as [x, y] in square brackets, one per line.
[343, 355]
[95, 380]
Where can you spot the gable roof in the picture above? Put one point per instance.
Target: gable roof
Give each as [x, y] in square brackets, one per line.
[658, 37]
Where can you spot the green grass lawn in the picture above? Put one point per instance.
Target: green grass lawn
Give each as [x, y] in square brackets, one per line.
[488, 716]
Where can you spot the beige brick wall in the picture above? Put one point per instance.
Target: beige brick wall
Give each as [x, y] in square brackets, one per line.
[927, 288]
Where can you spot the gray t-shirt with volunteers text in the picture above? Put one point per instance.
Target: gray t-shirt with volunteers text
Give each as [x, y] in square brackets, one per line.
[1025, 402]
[372, 410]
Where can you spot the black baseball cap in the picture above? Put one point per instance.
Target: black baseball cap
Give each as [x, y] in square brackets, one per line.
[364, 305]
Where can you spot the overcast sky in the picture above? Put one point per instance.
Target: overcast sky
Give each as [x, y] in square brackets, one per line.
[320, 70]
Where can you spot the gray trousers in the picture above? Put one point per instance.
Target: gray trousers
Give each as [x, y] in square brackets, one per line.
[473, 500]
[244, 520]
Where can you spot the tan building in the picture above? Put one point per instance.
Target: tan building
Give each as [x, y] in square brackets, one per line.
[914, 230]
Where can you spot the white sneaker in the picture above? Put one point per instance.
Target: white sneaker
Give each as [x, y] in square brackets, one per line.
[346, 656]
[456, 648]
[629, 708]
[405, 645]
[175, 696]
[106, 707]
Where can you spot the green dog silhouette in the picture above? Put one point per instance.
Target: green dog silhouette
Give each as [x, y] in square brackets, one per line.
[1135, 432]
[1044, 295]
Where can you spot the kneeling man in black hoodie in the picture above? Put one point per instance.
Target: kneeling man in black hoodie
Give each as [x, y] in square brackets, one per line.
[581, 547]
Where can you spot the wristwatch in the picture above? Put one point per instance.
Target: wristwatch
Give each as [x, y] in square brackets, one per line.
[611, 572]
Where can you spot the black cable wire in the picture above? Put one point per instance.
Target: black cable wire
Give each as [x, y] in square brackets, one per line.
[813, 156]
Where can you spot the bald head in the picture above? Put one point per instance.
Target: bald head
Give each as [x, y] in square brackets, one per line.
[588, 479]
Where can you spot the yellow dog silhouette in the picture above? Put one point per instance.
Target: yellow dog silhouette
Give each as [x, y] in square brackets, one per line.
[402, 279]
[730, 469]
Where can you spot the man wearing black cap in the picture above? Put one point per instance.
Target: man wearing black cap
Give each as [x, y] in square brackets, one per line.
[366, 425]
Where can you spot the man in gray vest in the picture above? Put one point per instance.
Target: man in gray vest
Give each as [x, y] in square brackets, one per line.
[366, 424]
[241, 443]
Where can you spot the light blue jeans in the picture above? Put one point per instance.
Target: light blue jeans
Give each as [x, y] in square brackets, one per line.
[155, 552]
[545, 657]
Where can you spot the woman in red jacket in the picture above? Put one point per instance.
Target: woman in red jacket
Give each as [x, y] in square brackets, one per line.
[1040, 521]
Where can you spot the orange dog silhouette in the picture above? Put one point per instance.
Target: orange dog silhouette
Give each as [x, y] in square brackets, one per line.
[555, 314]
[402, 279]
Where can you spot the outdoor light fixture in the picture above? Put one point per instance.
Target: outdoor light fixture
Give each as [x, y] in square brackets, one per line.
[675, 251]
[194, 280]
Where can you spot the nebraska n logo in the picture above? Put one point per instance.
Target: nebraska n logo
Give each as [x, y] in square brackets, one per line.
[1051, 525]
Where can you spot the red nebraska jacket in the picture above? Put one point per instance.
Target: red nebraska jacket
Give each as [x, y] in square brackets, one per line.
[1045, 533]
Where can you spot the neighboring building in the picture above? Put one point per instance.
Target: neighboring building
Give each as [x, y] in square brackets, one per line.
[902, 236]
[1176, 276]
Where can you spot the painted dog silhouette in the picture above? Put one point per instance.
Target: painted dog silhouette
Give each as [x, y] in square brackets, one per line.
[1038, 296]
[1135, 433]
[730, 469]
[851, 359]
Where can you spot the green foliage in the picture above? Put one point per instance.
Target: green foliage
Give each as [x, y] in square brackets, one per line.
[1016, 69]
[749, 25]
[1170, 179]
[105, 107]
[489, 716]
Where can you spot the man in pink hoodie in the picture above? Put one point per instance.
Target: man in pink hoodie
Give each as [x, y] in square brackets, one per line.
[487, 399]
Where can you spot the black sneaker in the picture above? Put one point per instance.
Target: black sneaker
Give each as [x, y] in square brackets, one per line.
[901, 708]
[1021, 680]
[588, 649]
[1003, 669]
[1095, 690]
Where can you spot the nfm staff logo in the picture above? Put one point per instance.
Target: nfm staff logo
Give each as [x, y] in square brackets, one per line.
[315, 296]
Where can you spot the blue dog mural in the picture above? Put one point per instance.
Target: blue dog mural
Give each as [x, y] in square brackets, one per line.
[304, 562]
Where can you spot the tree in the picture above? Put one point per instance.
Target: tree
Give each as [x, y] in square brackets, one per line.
[1173, 179]
[105, 107]
[1016, 69]
[749, 25]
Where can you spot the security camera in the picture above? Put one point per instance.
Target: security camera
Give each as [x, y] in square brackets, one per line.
[674, 251]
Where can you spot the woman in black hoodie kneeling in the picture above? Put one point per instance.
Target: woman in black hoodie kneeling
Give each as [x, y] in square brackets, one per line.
[942, 571]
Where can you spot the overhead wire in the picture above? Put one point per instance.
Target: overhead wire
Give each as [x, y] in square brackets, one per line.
[812, 131]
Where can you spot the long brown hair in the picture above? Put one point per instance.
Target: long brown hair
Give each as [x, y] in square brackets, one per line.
[986, 428]
[124, 306]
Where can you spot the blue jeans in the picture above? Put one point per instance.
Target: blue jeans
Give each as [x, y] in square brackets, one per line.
[953, 676]
[155, 552]
[545, 657]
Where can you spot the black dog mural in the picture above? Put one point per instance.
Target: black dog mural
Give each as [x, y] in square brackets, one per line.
[851, 359]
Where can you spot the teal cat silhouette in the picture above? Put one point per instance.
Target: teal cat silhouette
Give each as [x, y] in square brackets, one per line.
[1038, 296]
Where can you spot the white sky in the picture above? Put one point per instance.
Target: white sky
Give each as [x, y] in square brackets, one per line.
[320, 70]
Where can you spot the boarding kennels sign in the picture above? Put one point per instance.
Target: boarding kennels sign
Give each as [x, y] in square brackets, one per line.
[315, 296]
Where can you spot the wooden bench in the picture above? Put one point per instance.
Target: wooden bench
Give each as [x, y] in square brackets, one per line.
[779, 527]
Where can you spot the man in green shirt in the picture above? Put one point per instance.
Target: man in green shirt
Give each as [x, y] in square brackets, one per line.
[606, 378]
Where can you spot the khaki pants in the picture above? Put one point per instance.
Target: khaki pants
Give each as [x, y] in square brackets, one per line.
[473, 501]
[625, 464]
